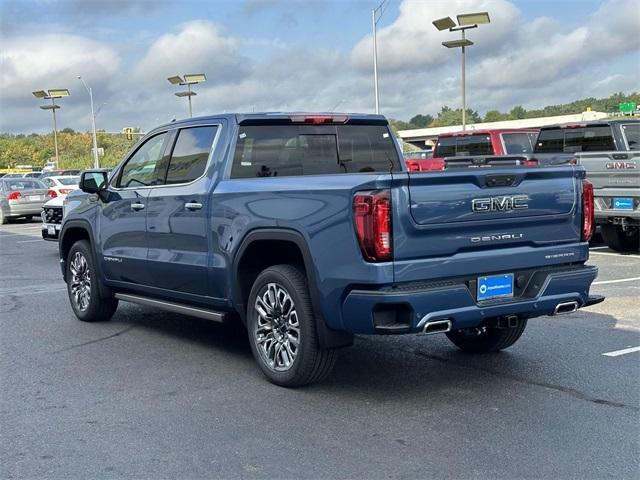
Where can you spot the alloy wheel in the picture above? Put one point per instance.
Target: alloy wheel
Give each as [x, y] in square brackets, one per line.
[80, 285]
[277, 330]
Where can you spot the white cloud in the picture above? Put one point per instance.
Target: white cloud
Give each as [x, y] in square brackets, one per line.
[199, 46]
[515, 60]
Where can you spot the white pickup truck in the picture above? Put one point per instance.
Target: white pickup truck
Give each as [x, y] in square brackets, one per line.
[610, 153]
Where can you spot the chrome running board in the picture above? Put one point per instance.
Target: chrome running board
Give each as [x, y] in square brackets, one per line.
[172, 307]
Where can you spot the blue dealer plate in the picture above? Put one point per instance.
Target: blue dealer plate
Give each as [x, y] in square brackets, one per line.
[622, 203]
[495, 286]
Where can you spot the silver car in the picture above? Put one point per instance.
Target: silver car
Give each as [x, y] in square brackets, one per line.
[21, 197]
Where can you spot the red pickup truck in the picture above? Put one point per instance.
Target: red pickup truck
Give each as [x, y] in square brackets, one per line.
[475, 142]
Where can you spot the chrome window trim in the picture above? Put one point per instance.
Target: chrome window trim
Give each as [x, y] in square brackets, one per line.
[177, 128]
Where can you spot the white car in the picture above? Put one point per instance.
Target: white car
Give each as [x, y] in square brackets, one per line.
[61, 185]
[52, 212]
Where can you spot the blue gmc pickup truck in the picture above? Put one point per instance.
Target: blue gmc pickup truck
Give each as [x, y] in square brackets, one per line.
[308, 229]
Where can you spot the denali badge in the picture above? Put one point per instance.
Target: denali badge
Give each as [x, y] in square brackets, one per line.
[493, 238]
[620, 165]
[500, 204]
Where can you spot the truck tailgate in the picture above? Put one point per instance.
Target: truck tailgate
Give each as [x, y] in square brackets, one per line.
[611, 170]
[486, 220]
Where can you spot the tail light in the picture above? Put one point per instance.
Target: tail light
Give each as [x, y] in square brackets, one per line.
[587, 210]
[413, 166]
[66, 191]
[14, 196]
[432, 165]
[372, 218]
[319, 119]
[52, 194]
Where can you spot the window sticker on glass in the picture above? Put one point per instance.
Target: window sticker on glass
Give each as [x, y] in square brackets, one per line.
[385, 135]
[242, 135]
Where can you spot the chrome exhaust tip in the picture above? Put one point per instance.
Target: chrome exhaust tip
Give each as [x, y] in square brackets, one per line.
[438, 326]
[565, 307]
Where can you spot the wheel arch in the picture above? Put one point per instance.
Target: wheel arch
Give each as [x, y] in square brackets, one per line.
[72, 232]
[286, 246]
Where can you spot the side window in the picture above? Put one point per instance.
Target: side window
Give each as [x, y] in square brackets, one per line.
[632, 134]
[190, 154]
[144, 168]
[515, 143]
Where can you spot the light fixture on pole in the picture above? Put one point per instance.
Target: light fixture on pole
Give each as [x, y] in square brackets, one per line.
[52, 95]
[188, 80]
[96, 163]
[465, 21]
[376, 15]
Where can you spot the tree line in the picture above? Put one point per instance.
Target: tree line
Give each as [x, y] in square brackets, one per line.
[448, 116]
[75, 147]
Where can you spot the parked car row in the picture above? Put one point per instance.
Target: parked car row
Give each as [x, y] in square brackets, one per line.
[609, 151]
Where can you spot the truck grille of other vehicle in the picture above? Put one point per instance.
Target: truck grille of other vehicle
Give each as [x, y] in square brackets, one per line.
[52, 215]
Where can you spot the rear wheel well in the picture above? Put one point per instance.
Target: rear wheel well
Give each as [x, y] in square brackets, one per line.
[261, 254]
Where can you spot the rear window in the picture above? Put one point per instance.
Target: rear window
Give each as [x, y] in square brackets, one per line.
[569, 140]
[288, 150]
[632, 135]
[463, 146]
[515, 143]
[19, 184]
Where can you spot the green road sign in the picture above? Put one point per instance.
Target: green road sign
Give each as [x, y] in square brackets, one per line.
[627, 107]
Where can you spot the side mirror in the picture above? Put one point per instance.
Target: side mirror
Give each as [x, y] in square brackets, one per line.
[93, 181]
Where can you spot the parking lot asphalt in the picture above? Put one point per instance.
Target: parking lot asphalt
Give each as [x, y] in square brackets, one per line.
[158, 395]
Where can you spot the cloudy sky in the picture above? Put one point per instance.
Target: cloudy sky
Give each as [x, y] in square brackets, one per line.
[305, 55]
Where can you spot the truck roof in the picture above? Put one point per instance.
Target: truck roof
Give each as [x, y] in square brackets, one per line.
[276, 117]
[592, 123]
[488, 131]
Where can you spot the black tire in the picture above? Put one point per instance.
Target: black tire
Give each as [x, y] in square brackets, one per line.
[82, 278]
[619, 239]
[310, 363]
[487, 339]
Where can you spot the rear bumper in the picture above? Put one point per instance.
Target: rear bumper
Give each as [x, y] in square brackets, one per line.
[372, 311]
[20, 210]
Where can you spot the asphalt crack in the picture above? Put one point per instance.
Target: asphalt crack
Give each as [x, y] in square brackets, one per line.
[101, 339]
[559, 388]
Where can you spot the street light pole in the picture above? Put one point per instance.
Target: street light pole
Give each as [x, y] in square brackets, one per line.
[188, 80]
[465, 21]
[52, 95]
[55, 130]
[374, 23]
[96, 163]
[464, 90]
[375, 61]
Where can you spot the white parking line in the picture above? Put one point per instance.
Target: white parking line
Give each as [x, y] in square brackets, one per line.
[604, 282]
[598, 248]
[619, 255]
[29, 241]
[26, 234]
[624, 351]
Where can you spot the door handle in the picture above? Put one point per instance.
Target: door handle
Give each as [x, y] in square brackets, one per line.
[137, 206]
[193, 206]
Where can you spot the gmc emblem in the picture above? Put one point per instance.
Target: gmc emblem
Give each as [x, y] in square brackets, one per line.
[620, 165]
[500, 204]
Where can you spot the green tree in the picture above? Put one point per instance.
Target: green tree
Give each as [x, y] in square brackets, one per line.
[448, 117]
[421, 121]
[496, 116]
[518, 112]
